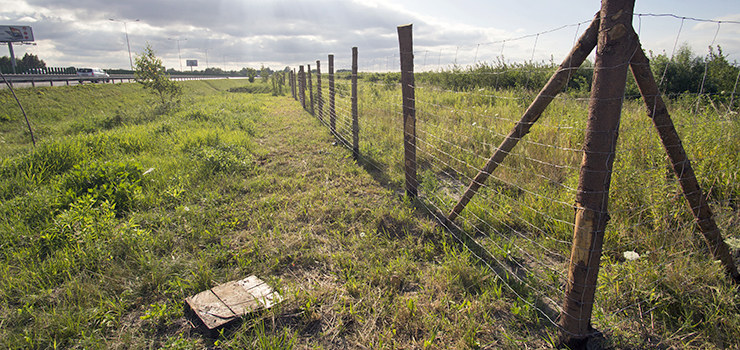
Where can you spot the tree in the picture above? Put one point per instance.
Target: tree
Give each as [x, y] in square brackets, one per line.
[264, 73]
[5, 61]
[278, 82]
[150, 72]
[29, 60]
[213, 70]
[251, 74]
[32, 61]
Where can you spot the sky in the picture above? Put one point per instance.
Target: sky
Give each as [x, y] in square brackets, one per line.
[231, 34]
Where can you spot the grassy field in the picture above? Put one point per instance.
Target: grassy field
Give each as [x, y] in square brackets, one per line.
[125, 208]
[521, 220]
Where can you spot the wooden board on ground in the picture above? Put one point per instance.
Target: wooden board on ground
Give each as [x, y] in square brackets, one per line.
[231, 300]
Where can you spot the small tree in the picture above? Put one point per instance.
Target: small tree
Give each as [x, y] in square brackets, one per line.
[264, 73]
[251, 74]
[150, 72]
[278, 81]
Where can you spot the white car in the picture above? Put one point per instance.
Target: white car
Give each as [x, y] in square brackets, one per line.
[93, 73]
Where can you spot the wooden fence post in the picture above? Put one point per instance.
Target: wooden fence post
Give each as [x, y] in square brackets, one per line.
[658, 113]
[332, 111]
[406, 48]
[295, 85]
[302, 86]
[318, 90]
[616, 44]
[310, 89]
[355, 122]
[292, 84]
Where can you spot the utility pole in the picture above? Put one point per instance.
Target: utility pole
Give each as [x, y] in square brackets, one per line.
[125, 28]
[206, 52]
[178, 50]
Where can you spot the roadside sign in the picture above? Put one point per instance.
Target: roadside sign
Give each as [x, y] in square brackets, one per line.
[11, 34]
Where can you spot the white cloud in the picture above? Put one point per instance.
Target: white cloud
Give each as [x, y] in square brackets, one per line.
[285, 32]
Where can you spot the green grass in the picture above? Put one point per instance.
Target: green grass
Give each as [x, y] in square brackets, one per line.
[126, 207]
[521, 221]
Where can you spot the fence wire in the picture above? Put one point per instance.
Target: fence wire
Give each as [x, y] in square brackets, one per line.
[521, 220]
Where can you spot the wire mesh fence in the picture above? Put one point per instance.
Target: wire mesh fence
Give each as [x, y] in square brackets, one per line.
[520, 223]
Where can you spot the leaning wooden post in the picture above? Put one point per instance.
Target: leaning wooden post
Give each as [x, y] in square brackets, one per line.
[658, 113]
[332, 111]
[318, 90]
[310, 88]
[302, 86]
[616, 44]
[355, 117]
[578, 54]
[406, 48]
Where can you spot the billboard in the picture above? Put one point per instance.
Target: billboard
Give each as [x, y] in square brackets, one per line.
[191, 63]
[15, 34]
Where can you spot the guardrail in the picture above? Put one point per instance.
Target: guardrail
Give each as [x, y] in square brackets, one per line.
[57, 80]
[7, 69]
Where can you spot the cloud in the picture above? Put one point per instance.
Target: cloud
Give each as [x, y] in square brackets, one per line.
[290, 32]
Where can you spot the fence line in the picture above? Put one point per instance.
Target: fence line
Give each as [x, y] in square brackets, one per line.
[522, 219]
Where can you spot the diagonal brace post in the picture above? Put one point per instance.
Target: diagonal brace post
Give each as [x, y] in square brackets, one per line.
[573, 61]
[658, 113]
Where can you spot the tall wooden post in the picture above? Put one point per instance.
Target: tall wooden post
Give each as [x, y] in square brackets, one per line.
[658, 113]
[295, 85]
[355, 122]
[291, 78]
[310, 89]
[616, 44]
[406, 48]
[332, 111]
[302, 86]
[318, 90]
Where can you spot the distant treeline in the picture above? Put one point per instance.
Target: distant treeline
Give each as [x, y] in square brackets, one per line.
[28, 60]
[683, 73]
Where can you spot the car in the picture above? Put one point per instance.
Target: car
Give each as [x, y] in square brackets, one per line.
[92, 73]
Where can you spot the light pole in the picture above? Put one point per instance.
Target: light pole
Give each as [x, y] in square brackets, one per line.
[225, 61]
[238, 65]
[178, 50]
[125, 28]
[206, 51]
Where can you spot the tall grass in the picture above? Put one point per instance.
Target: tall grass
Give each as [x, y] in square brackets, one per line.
[124, 209]
[522, 218]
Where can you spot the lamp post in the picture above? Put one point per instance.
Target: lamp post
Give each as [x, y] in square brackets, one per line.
[178, 50]
[225, 61]
[125, 28]
[206, 52]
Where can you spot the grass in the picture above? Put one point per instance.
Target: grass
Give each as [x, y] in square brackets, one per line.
[520, 221]
[126, 207]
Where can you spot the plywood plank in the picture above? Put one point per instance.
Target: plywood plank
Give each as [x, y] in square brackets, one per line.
[226, 302]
